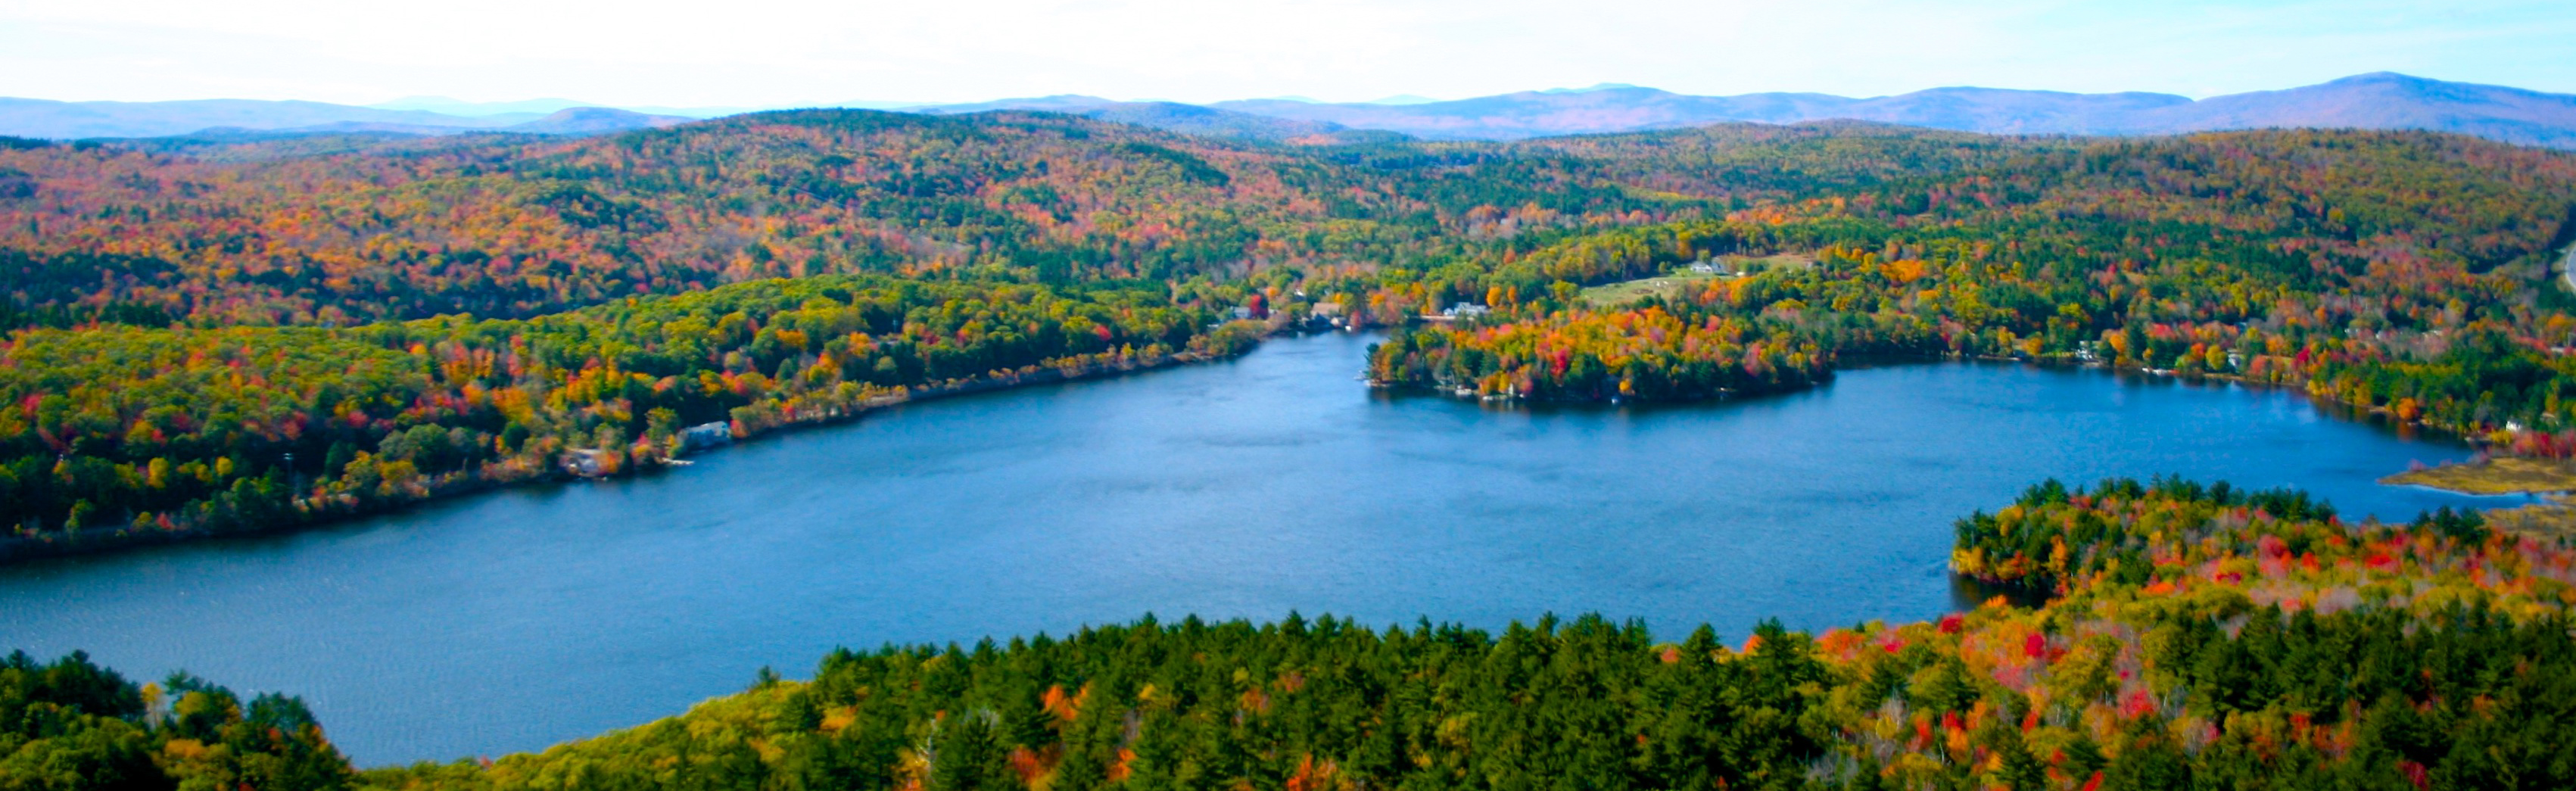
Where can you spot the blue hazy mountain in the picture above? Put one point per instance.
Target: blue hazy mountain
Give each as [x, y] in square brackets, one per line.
[72, 120]
[2369, 101]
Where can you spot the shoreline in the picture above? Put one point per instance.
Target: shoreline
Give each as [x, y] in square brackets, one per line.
[1879, 360]
[524, 471]
[2461, 480]
[18, 549]
[2500, 476]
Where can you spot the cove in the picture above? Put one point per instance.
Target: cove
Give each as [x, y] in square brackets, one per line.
[1250, 488]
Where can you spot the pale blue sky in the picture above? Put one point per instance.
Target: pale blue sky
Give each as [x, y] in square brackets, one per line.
[781, 52]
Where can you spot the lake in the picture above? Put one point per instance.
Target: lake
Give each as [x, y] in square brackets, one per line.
[1251, 488]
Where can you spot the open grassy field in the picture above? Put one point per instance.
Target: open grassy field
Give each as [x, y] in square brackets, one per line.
[2506, 475]
[1624, 292]
[1621, 293]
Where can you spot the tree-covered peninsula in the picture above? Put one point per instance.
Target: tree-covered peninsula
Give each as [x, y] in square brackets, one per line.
[2310, 259]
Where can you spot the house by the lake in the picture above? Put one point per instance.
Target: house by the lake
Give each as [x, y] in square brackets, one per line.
[703, 436]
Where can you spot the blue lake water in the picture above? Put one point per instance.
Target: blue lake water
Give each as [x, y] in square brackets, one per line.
[1251, 488]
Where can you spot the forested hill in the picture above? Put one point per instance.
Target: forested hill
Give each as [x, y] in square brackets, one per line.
[336, 229]
[512, 226]
[331, 230]
[210, 335]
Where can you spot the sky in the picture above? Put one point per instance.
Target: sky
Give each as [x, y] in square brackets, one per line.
[768, 53]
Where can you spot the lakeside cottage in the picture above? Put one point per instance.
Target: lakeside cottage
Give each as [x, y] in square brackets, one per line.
[1330, 313]
[703, 436]
[585, 462]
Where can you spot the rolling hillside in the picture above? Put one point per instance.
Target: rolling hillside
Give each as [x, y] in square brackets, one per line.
[253, 228]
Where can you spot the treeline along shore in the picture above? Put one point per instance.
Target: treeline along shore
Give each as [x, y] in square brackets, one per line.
[401, 413]
[213, 336]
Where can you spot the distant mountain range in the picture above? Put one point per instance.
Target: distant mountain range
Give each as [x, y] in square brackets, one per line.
[447, 106]
[2369, 101]
[73, 120]
[1188, 119]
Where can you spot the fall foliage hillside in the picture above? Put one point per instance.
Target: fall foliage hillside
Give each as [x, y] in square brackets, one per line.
[2401, 272]
[335, 229]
